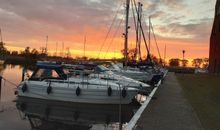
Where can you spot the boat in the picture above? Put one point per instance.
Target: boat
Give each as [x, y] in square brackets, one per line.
[50, 82]
[147, 75]
[103, 73]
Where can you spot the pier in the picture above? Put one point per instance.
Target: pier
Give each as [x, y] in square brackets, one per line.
[169, 110]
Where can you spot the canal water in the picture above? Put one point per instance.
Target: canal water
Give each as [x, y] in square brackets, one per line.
[27, 114]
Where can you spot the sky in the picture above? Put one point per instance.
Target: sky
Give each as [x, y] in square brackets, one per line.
[178, 24]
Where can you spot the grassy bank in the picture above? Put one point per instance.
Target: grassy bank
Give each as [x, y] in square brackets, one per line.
[203, 92]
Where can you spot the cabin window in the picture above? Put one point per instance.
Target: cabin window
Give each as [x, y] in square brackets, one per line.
[45, 74]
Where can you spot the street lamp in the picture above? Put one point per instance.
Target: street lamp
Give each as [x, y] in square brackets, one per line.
[184, 54]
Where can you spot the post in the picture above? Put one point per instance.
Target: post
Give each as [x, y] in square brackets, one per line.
[23, 74]
[120, 122]
[184, 54]
[126, 34]
[1, 110]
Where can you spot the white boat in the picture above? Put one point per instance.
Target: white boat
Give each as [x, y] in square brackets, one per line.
[134, 74]
[104, 73]
[51, 83]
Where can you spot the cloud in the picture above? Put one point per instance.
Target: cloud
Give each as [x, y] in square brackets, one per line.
[199, 31]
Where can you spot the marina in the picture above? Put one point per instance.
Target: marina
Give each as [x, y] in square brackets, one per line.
[99, 65]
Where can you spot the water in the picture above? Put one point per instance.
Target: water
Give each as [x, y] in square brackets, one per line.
[27, 113]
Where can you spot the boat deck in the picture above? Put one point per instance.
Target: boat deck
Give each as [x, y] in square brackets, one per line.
[170, 110]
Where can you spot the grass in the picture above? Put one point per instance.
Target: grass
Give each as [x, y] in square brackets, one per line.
[203, 93]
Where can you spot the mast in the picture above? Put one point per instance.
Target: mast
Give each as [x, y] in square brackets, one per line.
[149, 33]
[63, 49]
[126, 34]
[84, 48]
[56, 48]
[1, 36]
[165, 51]
[139, 40]
[46, 44]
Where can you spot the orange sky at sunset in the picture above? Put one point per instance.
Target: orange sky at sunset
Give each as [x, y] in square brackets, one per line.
[180, 24]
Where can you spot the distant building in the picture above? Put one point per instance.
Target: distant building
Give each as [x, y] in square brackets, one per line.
[214, 52]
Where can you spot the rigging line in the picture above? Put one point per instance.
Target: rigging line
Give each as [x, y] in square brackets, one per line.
[145, 41]
[9, 82]
[110, 28]
[113, 38]
[155, 40]
[135, 21]
[146, 28]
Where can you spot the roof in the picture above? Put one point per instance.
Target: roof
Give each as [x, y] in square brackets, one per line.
[48, 66]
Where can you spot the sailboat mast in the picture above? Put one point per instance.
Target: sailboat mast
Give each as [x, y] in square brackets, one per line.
[126, 34]
[165, 51]
[149, 33]
[1, 35]
[84, 48]
[140, 19]
[46, 44]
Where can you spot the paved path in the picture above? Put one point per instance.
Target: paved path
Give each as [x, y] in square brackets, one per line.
[170, 111]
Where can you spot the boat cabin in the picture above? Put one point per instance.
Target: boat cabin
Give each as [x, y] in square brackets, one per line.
[48, 71]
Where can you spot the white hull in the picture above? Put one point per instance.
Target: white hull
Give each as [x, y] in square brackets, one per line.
[94, 94]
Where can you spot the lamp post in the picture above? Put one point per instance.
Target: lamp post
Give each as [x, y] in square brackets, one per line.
[184, 54]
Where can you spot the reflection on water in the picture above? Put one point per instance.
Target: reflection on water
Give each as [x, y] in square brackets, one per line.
[51, 115]
[12, 73]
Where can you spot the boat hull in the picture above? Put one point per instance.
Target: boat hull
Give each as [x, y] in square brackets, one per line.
[88, 94]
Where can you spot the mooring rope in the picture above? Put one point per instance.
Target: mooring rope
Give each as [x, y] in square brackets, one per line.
[14, 84]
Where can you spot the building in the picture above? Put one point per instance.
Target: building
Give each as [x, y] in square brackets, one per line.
[214, 51]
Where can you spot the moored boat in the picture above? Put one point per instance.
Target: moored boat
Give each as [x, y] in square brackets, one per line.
[51, 83]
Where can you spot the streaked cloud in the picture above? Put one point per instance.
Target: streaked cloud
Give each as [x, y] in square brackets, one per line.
[27, 22]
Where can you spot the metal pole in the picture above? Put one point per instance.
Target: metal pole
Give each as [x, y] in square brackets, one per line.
[46, 44]
[1, 35]
[0, 87]
[23, 74]
[120, 123]
[149, 33]
[1, 110]
[126, 33]
[140, 19]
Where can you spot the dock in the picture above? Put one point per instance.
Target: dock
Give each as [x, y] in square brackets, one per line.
[169, 109]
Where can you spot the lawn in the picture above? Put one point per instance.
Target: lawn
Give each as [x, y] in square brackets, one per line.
[203, 93]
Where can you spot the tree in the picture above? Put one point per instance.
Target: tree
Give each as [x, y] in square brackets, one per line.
[174, 62]
[197, 62]
[205, 62]
[14, 53]
[184, 62]
[131, 54]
